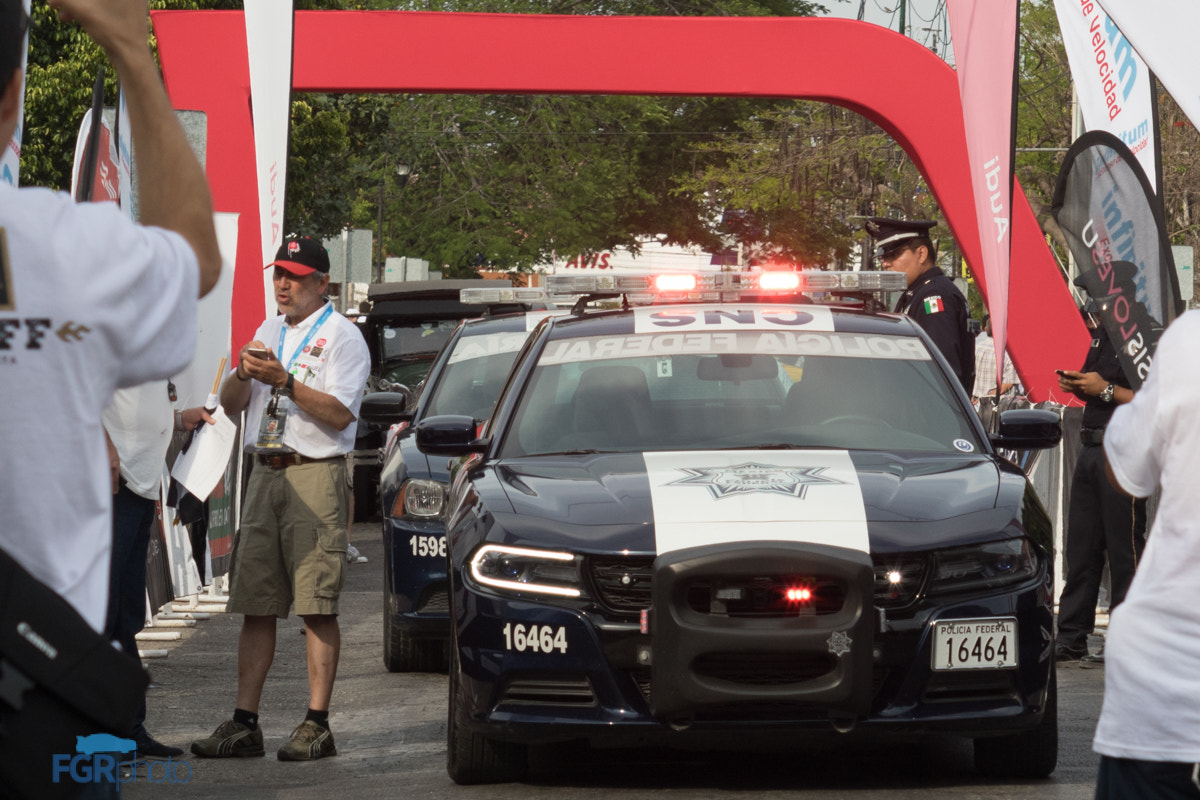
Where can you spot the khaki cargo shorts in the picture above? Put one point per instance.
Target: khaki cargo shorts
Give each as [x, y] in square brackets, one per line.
[291, 547]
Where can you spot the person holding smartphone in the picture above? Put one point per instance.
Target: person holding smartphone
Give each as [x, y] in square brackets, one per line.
[1101, 521]
[300, 382]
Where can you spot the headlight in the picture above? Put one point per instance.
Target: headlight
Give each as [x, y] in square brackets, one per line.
[985, 566]
[519, 569]
[420, 498]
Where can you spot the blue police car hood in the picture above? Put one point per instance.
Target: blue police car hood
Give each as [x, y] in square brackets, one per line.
[656, 502]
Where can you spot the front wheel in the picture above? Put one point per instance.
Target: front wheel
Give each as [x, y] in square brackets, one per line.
[472, 758]
[1029, 754]
[403, 653]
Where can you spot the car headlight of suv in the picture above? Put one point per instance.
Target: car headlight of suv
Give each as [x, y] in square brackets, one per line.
[983, 566]
[527, 571]
[420, 498]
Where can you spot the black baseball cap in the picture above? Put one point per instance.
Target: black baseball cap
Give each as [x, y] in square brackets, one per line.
[892, 234]
[302, 256]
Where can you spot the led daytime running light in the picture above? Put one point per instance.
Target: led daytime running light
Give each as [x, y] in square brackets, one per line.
[546, 555]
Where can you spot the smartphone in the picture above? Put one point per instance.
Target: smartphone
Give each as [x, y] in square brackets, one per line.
[259, 353]
[1062, 372]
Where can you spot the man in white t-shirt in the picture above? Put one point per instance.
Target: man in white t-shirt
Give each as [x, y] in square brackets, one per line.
[1149, 729]
[90, 302]
[139, 424]
[301, 382]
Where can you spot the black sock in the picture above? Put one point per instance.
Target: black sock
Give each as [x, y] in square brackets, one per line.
[250, 720]
[319, 717]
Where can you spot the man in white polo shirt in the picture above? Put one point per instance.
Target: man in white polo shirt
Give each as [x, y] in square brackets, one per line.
[301, 381]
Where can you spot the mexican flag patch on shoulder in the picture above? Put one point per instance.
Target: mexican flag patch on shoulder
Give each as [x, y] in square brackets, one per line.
[934, 304]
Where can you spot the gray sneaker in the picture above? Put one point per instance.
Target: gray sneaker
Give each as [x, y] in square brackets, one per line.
[309, 742]
[230, 740]
[353, 556]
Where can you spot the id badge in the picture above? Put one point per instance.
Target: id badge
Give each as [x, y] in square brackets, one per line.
[273, 424]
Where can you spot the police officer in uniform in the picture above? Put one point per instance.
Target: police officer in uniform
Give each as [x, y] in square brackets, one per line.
[1100, 519]
[931, 300]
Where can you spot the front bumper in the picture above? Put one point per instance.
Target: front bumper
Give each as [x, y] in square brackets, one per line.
[415, 576]
[602, 678]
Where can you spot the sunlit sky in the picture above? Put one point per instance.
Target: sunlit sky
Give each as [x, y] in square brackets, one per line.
[925, 20]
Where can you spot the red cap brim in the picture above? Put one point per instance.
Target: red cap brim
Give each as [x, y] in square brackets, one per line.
[292, 267]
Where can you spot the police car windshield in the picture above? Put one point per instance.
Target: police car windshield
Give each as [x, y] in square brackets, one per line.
[474, 374]
[751, 389]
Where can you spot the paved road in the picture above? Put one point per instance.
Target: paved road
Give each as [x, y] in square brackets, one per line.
[390, 732]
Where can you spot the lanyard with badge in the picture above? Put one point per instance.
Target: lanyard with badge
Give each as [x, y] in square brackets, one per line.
[274, 419]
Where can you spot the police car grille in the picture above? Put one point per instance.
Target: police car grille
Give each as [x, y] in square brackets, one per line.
[763, 669]
[766, 596]
[548, 691]
[436, 601]
[623, 585]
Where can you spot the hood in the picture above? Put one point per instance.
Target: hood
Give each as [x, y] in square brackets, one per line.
[656, 502]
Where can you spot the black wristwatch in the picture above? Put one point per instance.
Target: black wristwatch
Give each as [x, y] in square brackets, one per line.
[291, 385]
[1105, 396]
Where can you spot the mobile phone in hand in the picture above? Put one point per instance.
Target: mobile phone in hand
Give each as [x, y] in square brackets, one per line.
[259, 352]
[1061, 372]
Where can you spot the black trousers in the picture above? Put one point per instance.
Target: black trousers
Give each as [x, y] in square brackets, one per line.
[1126, 779]
[1100, 521]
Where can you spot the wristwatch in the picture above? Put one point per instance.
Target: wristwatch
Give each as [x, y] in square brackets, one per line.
[291, 385]
[1105, 396]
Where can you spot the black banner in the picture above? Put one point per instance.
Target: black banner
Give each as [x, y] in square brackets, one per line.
[1113, 224]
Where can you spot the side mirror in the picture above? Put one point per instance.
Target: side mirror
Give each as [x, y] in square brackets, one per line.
[1028, 429]
[384, 408]
[450, 435]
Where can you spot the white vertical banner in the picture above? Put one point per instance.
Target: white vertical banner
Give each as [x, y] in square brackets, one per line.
[269, 47]
[1112, 81]
[124, 154]
[10, 158]
[984, 33]
[1163, 33]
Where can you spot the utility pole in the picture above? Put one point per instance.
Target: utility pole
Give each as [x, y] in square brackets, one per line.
[903, 12]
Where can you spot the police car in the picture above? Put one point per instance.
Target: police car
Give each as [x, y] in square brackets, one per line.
[465, 378]
[702, 521]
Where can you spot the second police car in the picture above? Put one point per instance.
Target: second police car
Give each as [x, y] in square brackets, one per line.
[465, 378]
[730, 518]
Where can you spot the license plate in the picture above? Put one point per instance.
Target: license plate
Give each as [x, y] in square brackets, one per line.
[975, 644]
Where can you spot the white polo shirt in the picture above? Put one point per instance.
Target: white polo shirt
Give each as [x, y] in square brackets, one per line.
[89, 302]
[335, 360]
[1151, 706]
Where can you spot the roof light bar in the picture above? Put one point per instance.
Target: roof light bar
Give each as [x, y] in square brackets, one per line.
[718, 285]
[480, 296]
[704, 287]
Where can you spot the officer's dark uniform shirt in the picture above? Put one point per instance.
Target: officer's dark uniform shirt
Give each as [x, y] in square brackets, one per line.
[1102, 358]
[936, 304]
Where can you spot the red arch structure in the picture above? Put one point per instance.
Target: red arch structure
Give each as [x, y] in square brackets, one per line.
[899, 85]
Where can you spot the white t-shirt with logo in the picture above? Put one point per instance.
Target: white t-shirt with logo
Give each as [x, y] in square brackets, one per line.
[335, 360]
[1152, 654]
[89, 302]
[141, 422]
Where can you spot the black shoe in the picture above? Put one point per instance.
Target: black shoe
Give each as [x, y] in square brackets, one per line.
[149, 747]
[1064, 653]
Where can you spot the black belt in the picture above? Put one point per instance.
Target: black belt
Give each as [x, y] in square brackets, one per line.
[285, 460]
[1090, 437]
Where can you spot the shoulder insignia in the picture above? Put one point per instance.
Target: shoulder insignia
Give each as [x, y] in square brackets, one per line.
[934, 304]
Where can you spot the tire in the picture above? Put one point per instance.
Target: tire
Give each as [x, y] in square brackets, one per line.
[472, 758]
[1029, 754]
[403, 653]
